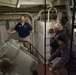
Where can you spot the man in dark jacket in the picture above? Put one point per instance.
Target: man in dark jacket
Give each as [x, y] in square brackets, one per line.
[53, 41]
[57, 30]
[64, 51]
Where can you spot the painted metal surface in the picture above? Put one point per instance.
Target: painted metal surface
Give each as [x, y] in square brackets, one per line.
[23, 61]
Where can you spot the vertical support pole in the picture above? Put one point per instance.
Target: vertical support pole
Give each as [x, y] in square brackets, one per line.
[72, 31]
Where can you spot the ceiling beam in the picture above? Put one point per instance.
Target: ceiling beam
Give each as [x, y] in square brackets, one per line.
[7, 4]
[17, 3]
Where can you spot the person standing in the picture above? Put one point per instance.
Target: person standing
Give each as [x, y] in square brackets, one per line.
[64, 51]
[24, 29]
[57, 30]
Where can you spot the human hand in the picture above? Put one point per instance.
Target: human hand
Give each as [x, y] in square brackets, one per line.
[47, 62]
[32, 32]
[8, 32]
[50, 69]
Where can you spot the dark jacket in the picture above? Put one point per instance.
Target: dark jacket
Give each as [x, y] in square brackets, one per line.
[65, 56]
[53, 41]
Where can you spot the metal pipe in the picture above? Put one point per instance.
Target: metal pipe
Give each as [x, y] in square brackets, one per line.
[36, 17]
[40, 12]
[21, 14]
[49, 12]
[17, 3]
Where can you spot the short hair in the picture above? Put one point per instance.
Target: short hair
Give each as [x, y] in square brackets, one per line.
[58, 26]
[22, 15]
[61, 37]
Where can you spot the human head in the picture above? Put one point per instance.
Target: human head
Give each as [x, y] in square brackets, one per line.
[57, 27]
[22, 18]
[61, 40]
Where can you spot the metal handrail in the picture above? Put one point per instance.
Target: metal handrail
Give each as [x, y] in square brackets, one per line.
[33, 48]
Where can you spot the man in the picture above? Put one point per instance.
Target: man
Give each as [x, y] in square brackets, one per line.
[57, 30]
[23, 30]
[64, 51]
